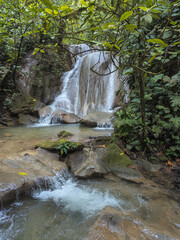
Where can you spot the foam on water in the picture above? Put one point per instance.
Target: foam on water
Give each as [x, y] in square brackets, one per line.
[78, 198]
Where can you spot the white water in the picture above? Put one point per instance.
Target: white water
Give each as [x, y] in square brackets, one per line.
[77, 198]
[85, 91]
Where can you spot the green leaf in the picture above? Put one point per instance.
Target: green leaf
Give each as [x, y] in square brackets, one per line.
[48, 11]
[83, 3]
[158, 41]
[126, 15]
[128, 71]
[48, 4]
[153, 57]
[144, 8]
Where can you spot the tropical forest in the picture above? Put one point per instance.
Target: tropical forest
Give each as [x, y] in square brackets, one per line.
[89, 120]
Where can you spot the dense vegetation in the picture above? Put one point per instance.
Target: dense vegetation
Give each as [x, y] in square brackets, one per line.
[142, 35]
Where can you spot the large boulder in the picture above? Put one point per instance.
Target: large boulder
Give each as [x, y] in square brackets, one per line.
[61, 116]
[96, 118]
[100, 160]
[86, 163]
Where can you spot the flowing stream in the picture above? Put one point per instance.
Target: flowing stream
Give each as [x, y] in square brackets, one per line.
[66, 208]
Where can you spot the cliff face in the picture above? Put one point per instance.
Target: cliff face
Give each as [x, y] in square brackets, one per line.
[40, 74]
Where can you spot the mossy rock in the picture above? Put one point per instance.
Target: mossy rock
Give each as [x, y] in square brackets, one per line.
[118, 163]
[64, 134]
[115, 157]
[25, 104]
[53, 145]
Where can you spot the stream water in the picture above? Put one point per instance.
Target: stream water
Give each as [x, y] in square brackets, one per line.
[67, 208]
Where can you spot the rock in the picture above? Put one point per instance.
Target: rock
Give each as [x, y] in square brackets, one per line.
[52, 145]
[40, 74]
[99, 160]
[44, 112]
[118, 163]
[70, 118]
[25, 104]
[113, 224]
[27, 119]
[57, 116]
[36, 164]
[93, 119]
[64, 117]
[64, 134]
[86, 164]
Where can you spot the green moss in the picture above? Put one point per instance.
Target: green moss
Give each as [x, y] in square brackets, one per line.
[115, 157]
[52, 145]
[64, 134]
[23, 104]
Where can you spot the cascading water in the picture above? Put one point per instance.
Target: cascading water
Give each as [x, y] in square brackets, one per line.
[88, 87]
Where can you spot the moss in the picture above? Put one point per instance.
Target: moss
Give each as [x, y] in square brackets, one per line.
[23, 104]
[115, 157]
[52, 145]
[64, 134]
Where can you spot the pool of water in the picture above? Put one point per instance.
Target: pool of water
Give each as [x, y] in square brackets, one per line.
[18, 139]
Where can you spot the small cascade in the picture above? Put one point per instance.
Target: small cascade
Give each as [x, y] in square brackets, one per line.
[67, 192]
[88, 87]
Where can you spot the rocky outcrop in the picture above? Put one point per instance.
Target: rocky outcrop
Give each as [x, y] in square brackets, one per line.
[20, 172]
[40, 74]
[117, 225]
[100, 160]
[95, 118]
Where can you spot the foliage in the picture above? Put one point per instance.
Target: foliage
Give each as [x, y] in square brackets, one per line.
[162, 117]
[65, 147]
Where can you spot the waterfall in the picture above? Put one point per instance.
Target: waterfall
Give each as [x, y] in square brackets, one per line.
[87, 87]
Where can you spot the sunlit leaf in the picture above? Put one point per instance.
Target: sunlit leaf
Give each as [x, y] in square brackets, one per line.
[126, 15]
[157, 41]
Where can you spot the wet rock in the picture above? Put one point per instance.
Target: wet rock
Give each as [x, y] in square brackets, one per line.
[52, 145]
[117, 225]
[27, 119]
[70, 118]
[19, 173]
[44, 112]
[64, 134]
[93, 119]
[64, 117]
